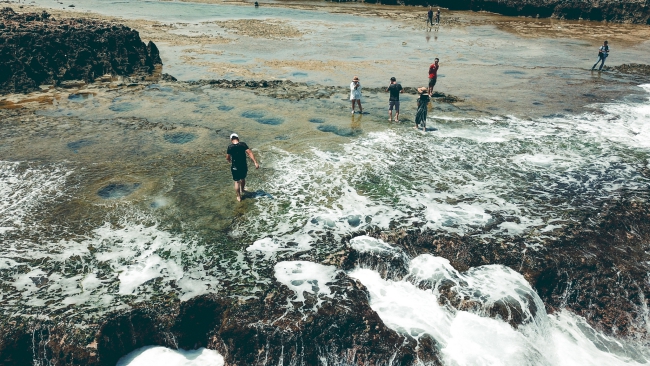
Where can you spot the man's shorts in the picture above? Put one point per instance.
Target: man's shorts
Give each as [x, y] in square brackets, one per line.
[239, 172]
[432, 82]
[393, 103]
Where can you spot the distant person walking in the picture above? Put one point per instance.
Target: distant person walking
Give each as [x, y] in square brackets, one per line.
[438, 17]
[433, 75]
[236, 155]
[603, 52]
[355, 93]
[430, 16]
[393, 100]
[423, 104]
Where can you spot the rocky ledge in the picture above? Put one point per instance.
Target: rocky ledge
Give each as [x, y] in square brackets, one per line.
[624, 11]
[597, 267]
[36, 49]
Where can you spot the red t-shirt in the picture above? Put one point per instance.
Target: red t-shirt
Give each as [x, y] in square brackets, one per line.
[433, 70]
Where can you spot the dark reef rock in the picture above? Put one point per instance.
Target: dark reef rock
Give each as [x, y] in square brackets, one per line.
[265, 330]
[596, 267]
[640, 70]
[287, 89]
[626, 11]
[36, 49]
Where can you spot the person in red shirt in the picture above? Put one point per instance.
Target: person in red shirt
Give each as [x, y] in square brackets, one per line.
[433, 75]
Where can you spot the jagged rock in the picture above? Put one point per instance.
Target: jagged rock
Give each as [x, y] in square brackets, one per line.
[36, 49]
[634, 69]
[270, 329]
[596, 267]
[167, 77]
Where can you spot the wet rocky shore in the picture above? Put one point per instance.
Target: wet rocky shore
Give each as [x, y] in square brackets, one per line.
[629, 11]
[36, 49]
[596, 265]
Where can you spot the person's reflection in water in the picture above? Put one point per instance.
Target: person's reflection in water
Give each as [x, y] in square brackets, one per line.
[429, 37]
[355, 125]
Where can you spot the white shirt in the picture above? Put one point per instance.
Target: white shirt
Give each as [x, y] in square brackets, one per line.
[355, 93]
[604, 50]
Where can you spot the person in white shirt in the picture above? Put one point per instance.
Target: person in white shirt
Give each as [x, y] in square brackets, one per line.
[355, 93]
[603, 52]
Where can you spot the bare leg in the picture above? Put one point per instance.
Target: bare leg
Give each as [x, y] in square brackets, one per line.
[390, 114]
[237, 190]
[359, 102]
[353, 105]
[242, 186]
[397, 115]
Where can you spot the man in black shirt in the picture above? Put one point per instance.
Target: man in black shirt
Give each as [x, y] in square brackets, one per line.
[393, 101]
[236, 155]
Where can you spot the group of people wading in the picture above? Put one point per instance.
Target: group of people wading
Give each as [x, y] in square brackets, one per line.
[238, 150]
[395, 89]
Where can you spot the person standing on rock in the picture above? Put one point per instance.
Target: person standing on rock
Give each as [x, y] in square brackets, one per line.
[423, 105]
[603, 52]
[393, 100]
[433, 75]
[430, 17]
[438, 17]
[236, 155]
[355, 93]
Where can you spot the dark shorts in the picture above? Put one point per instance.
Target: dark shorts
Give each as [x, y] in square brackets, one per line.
[393, 103]
[432, 82]
[239, 172]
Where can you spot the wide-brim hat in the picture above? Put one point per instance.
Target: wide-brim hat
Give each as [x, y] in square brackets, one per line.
[356, 78]
[423, 89]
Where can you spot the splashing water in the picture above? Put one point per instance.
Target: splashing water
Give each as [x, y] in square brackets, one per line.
[510, 175]
[473, 336]
[493, 176]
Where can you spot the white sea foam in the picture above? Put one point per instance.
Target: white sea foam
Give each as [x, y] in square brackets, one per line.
[157, 355]
[467, 174]
[131, 256]
[23, 188]
[471, 337]
[367, 244]
[270, 247]
[302, 276]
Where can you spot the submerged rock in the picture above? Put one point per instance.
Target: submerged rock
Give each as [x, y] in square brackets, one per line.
[117, 190]
[36, 49]
[179, 137]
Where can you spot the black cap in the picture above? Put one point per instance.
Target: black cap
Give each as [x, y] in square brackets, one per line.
[393, 79]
